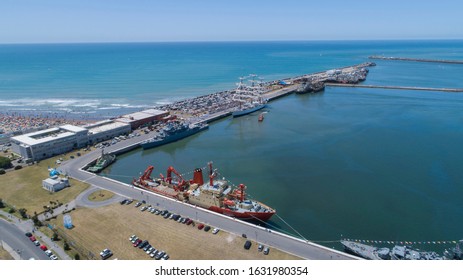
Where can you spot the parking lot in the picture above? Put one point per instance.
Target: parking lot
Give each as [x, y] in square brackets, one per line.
[112, 227]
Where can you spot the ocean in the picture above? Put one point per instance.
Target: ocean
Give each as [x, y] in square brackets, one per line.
[368, 164]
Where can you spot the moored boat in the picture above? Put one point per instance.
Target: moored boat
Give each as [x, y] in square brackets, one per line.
[172, 132]
[215, 194]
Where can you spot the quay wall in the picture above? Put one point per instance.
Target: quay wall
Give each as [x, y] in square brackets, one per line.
[396, 87]
[416, 59]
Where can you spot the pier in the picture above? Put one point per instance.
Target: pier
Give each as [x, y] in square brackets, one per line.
[416, 59]
[395, 87]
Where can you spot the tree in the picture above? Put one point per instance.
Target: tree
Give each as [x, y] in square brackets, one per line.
[36, 221]
[23, 212]
[66, 246]
[2, 205]
[12, 210]
[5, 162]
[76, 257]
[55, 237]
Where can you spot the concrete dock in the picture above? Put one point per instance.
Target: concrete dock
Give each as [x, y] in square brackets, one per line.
[416, 59]
[395, 87]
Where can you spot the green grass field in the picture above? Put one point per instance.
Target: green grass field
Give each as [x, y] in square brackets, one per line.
[23, 188]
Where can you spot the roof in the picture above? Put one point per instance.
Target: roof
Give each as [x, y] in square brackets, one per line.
[154, 112]
[50, 134]
[106, 125]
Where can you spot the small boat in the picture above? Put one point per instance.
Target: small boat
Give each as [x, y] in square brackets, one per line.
[261, 117]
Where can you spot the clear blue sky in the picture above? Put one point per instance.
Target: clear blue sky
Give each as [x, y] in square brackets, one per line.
[46, 21]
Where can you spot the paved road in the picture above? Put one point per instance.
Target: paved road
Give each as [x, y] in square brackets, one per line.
[21, 227]
[16, 239]
[283, 242]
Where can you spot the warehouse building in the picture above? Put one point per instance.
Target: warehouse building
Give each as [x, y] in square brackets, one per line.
[107, 129]
[139, 119]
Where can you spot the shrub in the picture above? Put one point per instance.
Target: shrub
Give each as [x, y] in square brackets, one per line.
[2, 171]
[5, 162]
[76, 257]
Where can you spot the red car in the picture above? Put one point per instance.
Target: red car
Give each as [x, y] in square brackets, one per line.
[137, 242]
[32, 238]
[200, 226]
[43, 247]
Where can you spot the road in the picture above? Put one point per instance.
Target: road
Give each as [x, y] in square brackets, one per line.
[16, 239]
[298, 247]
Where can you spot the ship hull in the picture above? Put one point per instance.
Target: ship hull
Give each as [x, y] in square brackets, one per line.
[255, 216]
[248, 216]
[173, 138]
[248, 111]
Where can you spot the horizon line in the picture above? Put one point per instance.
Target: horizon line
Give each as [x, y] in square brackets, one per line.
[233, 41]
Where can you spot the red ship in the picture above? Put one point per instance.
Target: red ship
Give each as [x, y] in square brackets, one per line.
[216, 195]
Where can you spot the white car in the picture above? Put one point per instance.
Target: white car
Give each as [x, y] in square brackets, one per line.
[215, 231]
[53, 257]
[48, 253]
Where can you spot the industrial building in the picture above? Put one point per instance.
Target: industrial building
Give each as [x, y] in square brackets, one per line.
[107, 129]
[138, 119]
[49, 142]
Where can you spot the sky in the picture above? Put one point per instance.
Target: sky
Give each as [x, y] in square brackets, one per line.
[71, 21]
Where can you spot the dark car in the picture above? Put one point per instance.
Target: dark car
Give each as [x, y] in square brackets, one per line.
[143, 244]
[247, 245]
[28, 234]
[207, 228]
[129, 201]
[189, 222]
[124, 201]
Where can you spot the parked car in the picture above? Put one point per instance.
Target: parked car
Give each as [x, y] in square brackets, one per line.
[215, 231]
[150, 250]
[137, 242]
[124, 201]
[247, 245]
[143, 208]
[53, 257]
[147, 247]
[165, 257]
[266, 250]
[32, 238]
[260, 247]
[129, 201]
[137, 204]
[43, 247]
[48, 253]
[28, 234]
[37, 243]
[132, 237]
[106, 253]
[207, 228]
[153, 254]
[200, 226]
[143, 244]
[159, 255]
[189, 222]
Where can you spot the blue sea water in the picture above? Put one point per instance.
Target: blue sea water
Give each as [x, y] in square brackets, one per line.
[362, 163]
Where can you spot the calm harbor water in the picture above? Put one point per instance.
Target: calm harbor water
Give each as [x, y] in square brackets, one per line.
[362, 163]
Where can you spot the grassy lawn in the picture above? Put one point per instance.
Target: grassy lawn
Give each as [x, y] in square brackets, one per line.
[111, 227]
[23, 188]
[100, 195]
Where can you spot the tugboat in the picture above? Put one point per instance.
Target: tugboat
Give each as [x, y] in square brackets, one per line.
[172, 132]
[215, 195]
[102, 162]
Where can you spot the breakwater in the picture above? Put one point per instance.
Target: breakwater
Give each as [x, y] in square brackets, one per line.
[416, 59]
[211, 107]
[396, 87]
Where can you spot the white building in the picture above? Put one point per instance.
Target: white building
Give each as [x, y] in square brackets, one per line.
[49, 142]
[105, 130]
[55, 184]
